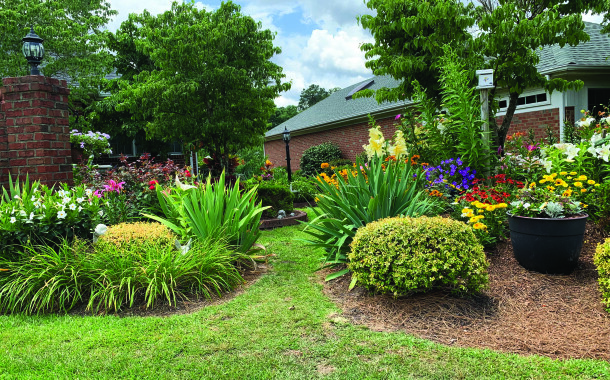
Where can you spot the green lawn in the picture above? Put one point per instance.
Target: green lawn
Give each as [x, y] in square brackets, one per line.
[256, 335]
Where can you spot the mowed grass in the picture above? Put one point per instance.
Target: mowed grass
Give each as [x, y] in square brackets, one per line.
[281, 327]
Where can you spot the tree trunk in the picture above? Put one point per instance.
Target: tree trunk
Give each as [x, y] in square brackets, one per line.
[510, 111]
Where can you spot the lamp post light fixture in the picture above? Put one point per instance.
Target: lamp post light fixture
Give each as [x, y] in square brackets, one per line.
[286, 138]
[33, 50]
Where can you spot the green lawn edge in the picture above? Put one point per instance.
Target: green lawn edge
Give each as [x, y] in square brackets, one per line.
[281, 327]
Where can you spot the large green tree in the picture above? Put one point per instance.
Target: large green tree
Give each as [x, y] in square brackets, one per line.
[73, 39]
[312, 95]
[502, 35]
[214, 83]
[282, 114]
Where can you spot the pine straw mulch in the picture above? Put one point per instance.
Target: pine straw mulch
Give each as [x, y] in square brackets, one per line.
[188, 305]
[523, 312]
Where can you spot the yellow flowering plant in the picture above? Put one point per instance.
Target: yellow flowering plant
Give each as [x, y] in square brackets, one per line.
[555, 195]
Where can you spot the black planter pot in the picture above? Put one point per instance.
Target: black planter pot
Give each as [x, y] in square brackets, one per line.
[547, 245]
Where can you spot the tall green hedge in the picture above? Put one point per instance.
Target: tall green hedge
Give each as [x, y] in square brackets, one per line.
[314, 156]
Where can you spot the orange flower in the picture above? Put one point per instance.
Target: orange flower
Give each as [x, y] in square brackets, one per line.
[324, 165]
[414, 159]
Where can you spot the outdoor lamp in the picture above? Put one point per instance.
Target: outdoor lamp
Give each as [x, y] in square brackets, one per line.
[286, 137]
[33, 50]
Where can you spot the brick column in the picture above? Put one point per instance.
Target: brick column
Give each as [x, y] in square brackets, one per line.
[36, 130]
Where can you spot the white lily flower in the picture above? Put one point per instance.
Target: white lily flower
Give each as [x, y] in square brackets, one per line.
[183, 186]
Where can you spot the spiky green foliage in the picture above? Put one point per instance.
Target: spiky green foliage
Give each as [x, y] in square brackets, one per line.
[213, 211]
[363, 196]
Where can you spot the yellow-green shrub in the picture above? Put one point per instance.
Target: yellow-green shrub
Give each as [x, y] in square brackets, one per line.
[402, 255]
[125, 235]
[602, 261]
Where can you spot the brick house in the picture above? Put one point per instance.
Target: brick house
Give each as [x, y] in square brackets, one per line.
[343, 120]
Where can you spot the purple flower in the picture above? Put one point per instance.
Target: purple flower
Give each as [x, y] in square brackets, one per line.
[82, 145]
[397, 117]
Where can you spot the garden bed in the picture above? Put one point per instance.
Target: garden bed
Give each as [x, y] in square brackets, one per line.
[271, 223]
[521, 312]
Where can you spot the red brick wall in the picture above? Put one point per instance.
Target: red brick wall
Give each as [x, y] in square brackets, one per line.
[34, 131]
[536, 120]
[350, 140]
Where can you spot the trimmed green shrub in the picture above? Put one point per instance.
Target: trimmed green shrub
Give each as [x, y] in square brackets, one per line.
[135, 234]
[314, 156]
[602, 261]
[402, 255]
[339, 162]
[305, 189]
[277, 196]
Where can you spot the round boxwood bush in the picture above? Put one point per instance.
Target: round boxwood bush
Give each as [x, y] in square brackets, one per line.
[602, 261]
[404, 255]
[314, 156]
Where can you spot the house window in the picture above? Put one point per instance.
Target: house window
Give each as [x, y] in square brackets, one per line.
[597, 99]
[526, 100]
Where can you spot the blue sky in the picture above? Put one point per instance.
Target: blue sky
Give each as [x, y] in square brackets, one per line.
[320, 39]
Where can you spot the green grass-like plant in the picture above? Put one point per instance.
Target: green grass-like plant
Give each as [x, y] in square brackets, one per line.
[403, 255]
[363, 196]
[213, 211]
[43, 278]
[151, 271]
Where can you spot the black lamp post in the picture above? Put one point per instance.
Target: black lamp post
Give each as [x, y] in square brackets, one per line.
[33, 50]
[286, 137]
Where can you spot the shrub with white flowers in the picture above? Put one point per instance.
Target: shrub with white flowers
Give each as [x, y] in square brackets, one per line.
[44, 215]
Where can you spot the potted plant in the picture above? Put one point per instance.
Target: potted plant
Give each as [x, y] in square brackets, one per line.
[547, 223]
[87, 145]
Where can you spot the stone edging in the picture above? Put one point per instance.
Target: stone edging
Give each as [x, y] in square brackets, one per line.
[269, 224]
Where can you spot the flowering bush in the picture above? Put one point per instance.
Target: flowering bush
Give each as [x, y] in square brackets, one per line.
[602, 262]
[482, 206]
[129, 189]
[40, 214]
[554, 196]
[451, 174]
[93, 143]
[523, 158]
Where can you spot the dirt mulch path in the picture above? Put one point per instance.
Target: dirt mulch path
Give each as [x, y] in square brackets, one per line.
[521, 312]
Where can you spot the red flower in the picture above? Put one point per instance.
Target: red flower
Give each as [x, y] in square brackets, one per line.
[187, 173]
[152, 184]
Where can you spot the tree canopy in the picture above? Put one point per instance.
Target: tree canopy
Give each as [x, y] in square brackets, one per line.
[282, 114]
[73, 39]
[213, 84]
[502, 35]
[312, 95]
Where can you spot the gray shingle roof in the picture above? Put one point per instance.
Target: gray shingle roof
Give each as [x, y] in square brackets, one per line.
[336, 107]
[588, 54]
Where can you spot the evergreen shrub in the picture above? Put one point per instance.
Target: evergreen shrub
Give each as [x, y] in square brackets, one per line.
[136, 234]
[314, 156]
[276, 195]
[402, 255]
[602, 261]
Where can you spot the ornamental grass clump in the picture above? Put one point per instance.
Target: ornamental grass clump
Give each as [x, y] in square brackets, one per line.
[602, 261]
[212, 211]
[403, 255]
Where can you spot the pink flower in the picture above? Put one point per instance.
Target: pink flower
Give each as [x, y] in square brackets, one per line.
[397, 117]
